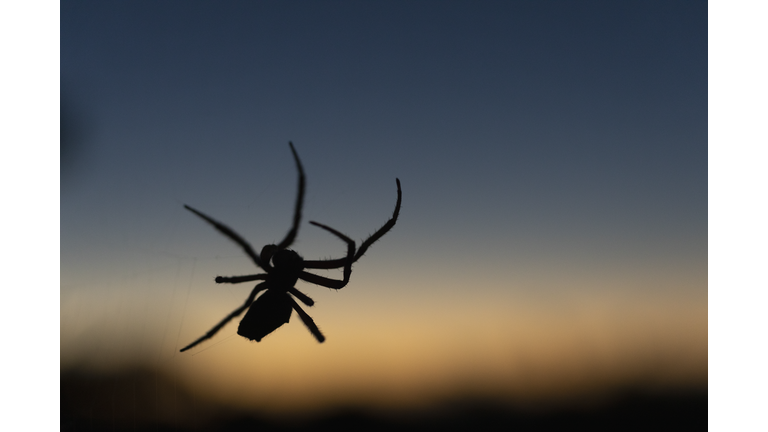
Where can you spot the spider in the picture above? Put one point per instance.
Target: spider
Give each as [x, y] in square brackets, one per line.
[284, 268]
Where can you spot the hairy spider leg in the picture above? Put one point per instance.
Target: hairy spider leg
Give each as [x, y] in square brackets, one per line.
[332, 263]
[307, 320]
[301, 296]
[299, 202]
[387, 226]
[258, 288]
[340, 262]
[240, 279]
[327, 282]
[263, 263]
[233, 236]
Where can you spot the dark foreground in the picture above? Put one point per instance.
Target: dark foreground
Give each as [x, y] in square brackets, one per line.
[146, 401]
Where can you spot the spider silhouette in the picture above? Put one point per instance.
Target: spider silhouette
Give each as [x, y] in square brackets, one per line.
[284, 268]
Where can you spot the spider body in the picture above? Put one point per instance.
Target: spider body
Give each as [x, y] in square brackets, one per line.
[284, 267]
[271, 310]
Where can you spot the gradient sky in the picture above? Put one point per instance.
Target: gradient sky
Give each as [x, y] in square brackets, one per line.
[553, 157]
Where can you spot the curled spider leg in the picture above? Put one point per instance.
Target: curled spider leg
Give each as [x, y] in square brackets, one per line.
[299, 202]
[340, 262]
[260, 287]
[307, 320]
[327, 282]
[332, 263]
[323, 281]
[301, 296]
[232, 235]
[240, 279]
[347, 262]
[325, 264]
[384, 229]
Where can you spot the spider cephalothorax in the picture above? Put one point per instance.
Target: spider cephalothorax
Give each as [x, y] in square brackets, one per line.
[284, 268]
[287, 266]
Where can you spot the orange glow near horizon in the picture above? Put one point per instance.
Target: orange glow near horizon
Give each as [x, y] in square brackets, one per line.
[523, 356]
[414, 348]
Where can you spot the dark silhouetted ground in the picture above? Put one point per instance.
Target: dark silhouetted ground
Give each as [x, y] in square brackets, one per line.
[143, 400]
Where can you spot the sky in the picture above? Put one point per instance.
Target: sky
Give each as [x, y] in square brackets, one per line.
[552, 241]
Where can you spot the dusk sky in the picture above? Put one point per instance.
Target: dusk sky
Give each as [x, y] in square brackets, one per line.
[553, 155]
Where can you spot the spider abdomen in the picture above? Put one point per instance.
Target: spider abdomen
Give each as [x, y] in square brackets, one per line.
[271, 310]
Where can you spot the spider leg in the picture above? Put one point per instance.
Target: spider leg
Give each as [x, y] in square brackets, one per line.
[301, 296]
[347, 262]
[340, 262]
[299, 202]
[260, 287]
[307, 320]
[231, 234]
[239, 279]
[383, 230]
[325, 264]
[323, 281]
[332, 263]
